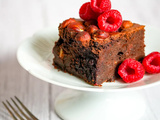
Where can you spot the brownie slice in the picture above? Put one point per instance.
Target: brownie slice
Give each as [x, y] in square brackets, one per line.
[93, 54]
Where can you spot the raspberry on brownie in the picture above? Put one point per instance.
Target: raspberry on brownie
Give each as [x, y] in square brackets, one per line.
[100, 6]
[93, 54]
[110, 21]
[86, 13]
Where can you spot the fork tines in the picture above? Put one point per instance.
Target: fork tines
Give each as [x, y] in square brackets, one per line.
[21, 115]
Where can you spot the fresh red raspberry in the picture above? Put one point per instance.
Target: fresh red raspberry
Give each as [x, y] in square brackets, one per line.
[100, 6]
[131, 70]
[151, 62]
[110, 21]
[86, 13]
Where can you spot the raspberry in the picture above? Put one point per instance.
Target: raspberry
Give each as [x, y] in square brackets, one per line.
[86, 13]
[131, 70]
[110, 21]
[100, 6]
[151, 62]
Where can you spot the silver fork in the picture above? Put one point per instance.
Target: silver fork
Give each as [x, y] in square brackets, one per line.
[23, 115]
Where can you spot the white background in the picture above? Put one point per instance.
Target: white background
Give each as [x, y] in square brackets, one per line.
[20, 19]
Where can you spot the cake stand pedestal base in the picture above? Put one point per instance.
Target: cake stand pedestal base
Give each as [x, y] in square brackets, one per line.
[82, 105]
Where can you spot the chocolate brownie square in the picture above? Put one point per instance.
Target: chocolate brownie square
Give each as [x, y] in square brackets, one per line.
[92, 54]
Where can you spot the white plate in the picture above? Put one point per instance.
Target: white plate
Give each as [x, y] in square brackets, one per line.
[35, 55]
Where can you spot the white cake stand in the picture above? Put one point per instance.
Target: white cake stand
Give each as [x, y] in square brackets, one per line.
[112, 101]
